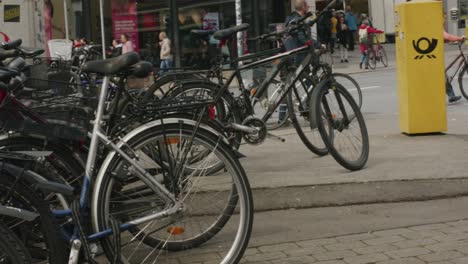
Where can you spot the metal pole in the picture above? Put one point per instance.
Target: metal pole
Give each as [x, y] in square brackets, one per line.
[174, 25]
[103, 35]
[238, 22]
[65, 14]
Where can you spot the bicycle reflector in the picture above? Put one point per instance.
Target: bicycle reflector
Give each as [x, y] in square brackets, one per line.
[212, 112]
[172, 141]
[309, 43]
[175, 230]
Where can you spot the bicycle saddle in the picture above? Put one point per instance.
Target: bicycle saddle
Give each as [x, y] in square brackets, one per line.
[229, 32]
[141, 69]
[11, 44]
[30, 52]
[112, 66]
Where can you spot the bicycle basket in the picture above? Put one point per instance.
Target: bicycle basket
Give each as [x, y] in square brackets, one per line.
[60, 49]
[47, 74]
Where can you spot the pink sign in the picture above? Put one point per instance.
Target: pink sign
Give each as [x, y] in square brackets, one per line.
[125, 20]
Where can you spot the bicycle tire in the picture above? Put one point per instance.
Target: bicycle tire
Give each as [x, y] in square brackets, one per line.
[42, 237]
[463, 81]
[383, 56]
[336, 120]
[311, 139]
[353, 87]
[372, 60]
[11, 249]
[105, 188]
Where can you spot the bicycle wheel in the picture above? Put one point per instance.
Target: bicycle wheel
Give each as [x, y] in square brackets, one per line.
[12, 251]
[261, 105]
[334, 107]
[383, 56]
[299, 109]
[351, 86]
[463, 81]
[41, 237]
[372, 58]
[218, 213]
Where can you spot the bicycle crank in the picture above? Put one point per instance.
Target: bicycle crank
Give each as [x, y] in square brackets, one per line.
[258, 131]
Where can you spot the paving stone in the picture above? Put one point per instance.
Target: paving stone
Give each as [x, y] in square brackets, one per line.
[441, 256]
[415, 243]
[463, 260]
[356, 237]
[445, 246]
[345, 246]
[265, 256]
[305, 251]
[458, 223]
[402, 261]
[451, 237]
[334, 255]
[200, 258]
[278, 247]
[383, 240]
[295, 260]
[408, 252]
[424, 228]
[419, 235]
[317, 242]
[374, 249]
[366, 259]
[331, 262]
[392, 232]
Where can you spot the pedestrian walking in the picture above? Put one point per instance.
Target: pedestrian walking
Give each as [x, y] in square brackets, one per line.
[448, 86]
[342, 37]
[324, 28]
[351, 22]
[166, 52]
[365, 41]
[127, 45]
[116, 49]
[334, 31]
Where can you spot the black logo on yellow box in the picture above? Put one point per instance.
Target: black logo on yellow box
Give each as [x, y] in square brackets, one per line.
[429, 47]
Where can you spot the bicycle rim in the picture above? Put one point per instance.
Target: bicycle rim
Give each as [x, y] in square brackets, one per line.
[463, 81]
[217, 215]
[349, 142]
[372, 60]
[351, 85]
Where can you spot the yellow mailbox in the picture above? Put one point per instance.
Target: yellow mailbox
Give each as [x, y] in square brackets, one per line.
[420, 67]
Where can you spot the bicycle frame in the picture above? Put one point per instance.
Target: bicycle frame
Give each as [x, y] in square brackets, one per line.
[98, 136]
[463, 61]
[283, 57]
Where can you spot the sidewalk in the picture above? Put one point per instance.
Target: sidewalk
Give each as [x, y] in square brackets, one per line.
[441, 243]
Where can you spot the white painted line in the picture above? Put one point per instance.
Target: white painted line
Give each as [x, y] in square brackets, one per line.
[366, 88]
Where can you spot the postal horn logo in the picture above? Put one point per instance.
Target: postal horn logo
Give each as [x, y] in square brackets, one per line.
[428, 46]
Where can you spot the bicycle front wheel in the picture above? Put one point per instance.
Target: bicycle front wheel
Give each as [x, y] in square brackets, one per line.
[217, 210]
[299, 109]
[383, 56]
[463, 81]
[11, 249]
[333, 107]
[372, 58]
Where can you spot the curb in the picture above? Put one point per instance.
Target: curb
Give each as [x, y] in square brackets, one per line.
[328, 195]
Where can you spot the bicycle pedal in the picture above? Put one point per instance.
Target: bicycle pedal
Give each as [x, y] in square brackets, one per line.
[275, 137]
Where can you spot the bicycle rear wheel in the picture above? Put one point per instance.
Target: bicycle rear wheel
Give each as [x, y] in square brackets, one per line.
[218, 211]
[12, 251]
[383, 56]
[351, 86]
[334, 107]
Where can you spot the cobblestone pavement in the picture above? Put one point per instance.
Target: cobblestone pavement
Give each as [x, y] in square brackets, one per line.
[442, 243]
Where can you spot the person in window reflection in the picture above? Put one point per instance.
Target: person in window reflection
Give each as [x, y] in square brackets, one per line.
[166, 52]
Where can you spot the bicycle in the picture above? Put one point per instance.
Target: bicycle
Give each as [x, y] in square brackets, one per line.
[149, 166]
[462, 70]
[376, 52]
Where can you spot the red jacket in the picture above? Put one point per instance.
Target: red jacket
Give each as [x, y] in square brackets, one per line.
[370, 30]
